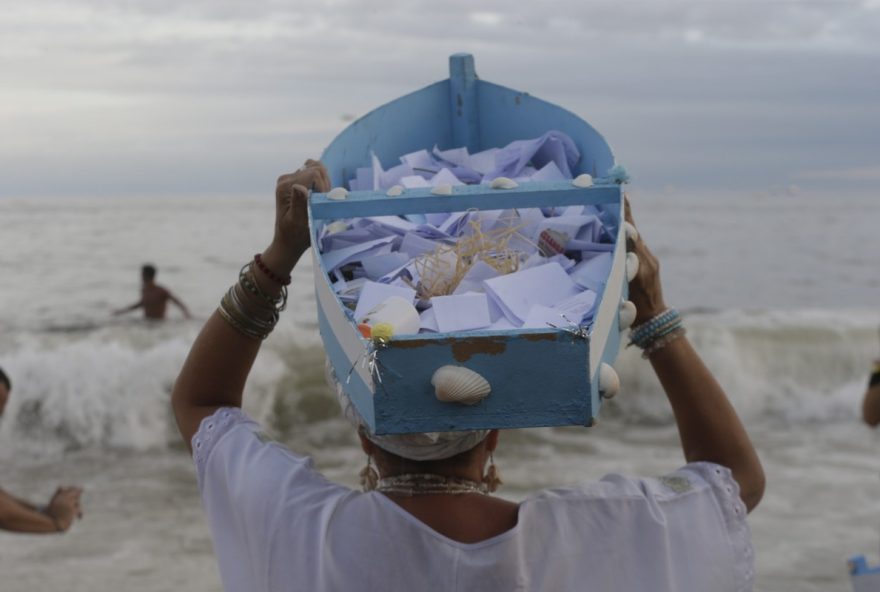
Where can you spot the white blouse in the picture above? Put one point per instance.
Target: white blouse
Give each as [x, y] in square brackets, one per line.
[278, 524]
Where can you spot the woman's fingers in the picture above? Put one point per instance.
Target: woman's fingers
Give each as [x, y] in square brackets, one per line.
[627, 210]
[313, 176]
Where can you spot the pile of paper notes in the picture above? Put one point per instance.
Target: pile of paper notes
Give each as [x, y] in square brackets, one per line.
[548, 158]
[542, 267]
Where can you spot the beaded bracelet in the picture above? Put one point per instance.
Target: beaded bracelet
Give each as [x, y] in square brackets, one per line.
[284, 281]
[644, 334]
[658, 332]
[662, 342]
[249, 282]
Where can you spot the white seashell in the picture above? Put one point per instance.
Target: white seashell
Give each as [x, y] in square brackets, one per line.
[583, 180]
[457, 384]
[335, 227]
[609, 381]
[337, 194]
[630, 231]
[626, 315]
[394, 191]
[632, 266]
[503, 183]
[442, 190]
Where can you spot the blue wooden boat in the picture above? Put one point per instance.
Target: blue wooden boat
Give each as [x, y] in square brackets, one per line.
[539, 377]
[864, 578]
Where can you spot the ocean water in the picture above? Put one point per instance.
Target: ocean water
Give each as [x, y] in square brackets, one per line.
[780, 295]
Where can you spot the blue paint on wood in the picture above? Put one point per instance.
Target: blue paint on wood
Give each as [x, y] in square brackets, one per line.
[537, 380]
[463, 102]
[527, 195]
[424, 118]
[507, 115]
[858, 565]
[413, 122]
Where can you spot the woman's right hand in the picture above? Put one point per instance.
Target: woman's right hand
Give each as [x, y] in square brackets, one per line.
[64, 507]
[291, 237]
[645, 290]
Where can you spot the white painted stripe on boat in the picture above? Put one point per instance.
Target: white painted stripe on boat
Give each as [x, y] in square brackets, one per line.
[610, 305]
[346, 333]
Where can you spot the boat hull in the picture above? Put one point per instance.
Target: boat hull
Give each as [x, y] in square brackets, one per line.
[539, 377]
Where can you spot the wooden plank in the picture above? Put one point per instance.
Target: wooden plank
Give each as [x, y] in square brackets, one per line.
[463, 102]
[415, 201]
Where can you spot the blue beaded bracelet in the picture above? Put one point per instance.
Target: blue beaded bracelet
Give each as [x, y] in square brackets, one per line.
[663, 324]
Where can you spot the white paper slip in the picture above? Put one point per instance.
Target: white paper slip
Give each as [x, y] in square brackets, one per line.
[516, 293]
[380, 265]
[463, 312]
[414, 245]
[374, 293]
[474, 278]
[593, 273]
[543, 317]
[420, 161]
[536, 259]
[454, 156]
[550, 172]
[502, 324]
[414, 182]
[445, 177]
[393, 175]
[578, 307]
[339, 257]
[428, 320]
[482, 162]
[436, 219]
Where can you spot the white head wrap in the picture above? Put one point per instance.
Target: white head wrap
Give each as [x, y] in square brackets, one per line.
[418, 446]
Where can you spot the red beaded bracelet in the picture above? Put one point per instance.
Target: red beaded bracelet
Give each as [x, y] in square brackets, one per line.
[284, 281]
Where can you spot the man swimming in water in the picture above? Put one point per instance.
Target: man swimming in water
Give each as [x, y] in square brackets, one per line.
[154, 298]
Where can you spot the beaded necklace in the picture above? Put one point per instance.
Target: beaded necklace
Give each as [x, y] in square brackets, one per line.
[411, 484]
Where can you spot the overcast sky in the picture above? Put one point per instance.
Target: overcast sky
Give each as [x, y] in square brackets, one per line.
[110, 97]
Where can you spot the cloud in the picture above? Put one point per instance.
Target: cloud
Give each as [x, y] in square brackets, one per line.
[220, 94]
[846, 174]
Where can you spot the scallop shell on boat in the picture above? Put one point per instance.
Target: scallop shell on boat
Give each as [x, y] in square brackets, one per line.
[609, 381]
[583, 180]
[632, 266]
[503, 183]
[394, 191]
[457, 384]
[626, 315]
[337, 194]
[442, 190]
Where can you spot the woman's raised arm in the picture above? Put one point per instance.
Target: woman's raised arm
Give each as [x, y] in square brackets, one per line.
[220, 360]
[709, 427]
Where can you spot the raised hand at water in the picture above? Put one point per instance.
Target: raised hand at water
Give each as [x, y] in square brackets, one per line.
[292, 190]
[645, 290]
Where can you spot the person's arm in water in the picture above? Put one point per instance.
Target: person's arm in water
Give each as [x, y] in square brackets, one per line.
[709, 427]
[134, 306]
[871, 400]
[218, 364]
[178, 303]
[20, 516]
